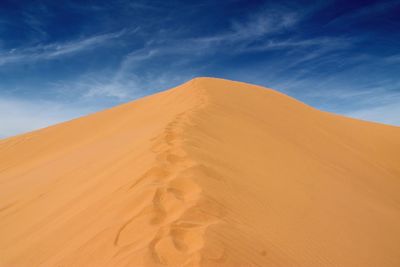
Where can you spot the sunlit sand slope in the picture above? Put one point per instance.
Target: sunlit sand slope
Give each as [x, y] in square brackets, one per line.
[211, 173]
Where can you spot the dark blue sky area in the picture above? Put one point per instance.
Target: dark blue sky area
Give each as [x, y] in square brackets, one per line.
[62, 59]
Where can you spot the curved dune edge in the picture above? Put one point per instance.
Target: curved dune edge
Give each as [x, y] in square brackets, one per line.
[211, 173]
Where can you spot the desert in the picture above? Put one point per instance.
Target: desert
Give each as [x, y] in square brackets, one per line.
[211, 173]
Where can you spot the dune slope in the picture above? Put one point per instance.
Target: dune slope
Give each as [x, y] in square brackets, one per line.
[211, 173]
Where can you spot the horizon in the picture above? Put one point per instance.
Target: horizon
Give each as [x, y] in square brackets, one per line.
[60, 62]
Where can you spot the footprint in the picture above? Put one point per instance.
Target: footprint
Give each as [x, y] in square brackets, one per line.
[185, 189]
[153, 176]
[158, 207]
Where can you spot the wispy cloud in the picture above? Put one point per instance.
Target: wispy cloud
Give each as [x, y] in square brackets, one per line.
[252, 28]
[257, 32]
[388, 114]
[36, 25]
[56, 50]
[96, 86]
[116, 87]
[320, 46]
[121, 89]
[377, 102]
[366, 12]
[27, 115]
[393, 58]
[125, 85]
[264, 23]
[238, 37]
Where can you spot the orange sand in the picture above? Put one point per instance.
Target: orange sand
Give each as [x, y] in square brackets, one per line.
[211, 173]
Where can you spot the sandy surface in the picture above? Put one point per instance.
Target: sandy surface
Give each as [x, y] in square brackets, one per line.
[211, 173]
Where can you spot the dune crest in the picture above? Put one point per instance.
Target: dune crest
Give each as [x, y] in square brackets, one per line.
[210, 173]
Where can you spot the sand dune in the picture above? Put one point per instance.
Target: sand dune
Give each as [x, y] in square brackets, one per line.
[211, 173]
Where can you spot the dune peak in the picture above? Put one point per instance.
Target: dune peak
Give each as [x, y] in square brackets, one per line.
[211, 173]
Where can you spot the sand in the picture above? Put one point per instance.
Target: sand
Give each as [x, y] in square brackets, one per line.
[211, 173]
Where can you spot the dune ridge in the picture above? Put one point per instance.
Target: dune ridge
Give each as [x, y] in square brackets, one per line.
[211, 173]
[178, 239]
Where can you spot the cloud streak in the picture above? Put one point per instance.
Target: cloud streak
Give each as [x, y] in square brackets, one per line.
[387, 114]
[254, 27]
[28, 115]
[56, 50]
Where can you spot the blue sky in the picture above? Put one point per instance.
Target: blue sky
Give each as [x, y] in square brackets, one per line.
[60, 60]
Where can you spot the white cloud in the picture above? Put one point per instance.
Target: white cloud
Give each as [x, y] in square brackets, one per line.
[388, 114]
[321, 46]
[56, 50]
[120, 89]
[373, 103]
[393, 58]
[124, 84]
[262, 24]
[256, 26]
[254, 33]
[21, 116]
[36, 25]
[366, 12]
[241, 33]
